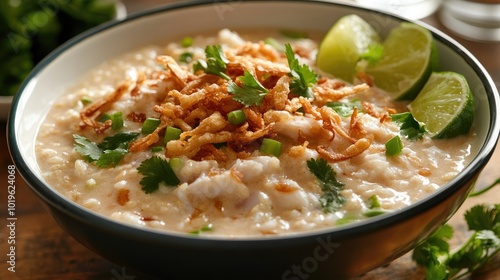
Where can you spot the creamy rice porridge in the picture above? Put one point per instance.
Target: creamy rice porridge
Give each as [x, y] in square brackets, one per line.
[225, 173]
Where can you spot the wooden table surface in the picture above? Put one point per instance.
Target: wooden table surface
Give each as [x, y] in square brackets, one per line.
[45, 251]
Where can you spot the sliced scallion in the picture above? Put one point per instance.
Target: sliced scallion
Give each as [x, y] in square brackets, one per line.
[157, 149]
[117, 120]
[149, 125]
[86, 100]
[187, 42]
[394, 146]
[171, 133]
[270, 147]
[237, 117]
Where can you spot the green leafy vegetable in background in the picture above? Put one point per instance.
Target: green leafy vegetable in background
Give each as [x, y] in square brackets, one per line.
[30, 29]
[434, 254]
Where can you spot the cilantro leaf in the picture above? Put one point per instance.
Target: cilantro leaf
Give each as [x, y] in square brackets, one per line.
[434, 254]
[215, 63]
[429, 253]
[251, 91]
[483, 217]
[88, 149]
[411, 128]
[303, 77]
[155, 171]
[118, 140]
[373, 54]
[107, 153]
[111, 157]
[345, 109]
[331, 199]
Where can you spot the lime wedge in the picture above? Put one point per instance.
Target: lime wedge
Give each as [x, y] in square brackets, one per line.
[409, 57]
[341, 47]
[445, 105]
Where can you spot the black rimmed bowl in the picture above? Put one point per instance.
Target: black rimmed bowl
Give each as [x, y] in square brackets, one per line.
[335, 253]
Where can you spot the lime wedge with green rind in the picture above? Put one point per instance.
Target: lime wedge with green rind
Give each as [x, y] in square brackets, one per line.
[445, 105]
[341, 47]
[409, 58]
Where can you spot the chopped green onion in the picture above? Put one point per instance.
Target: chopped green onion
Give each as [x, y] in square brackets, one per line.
[175, 163]
[186, 57]
[104, 118]
[393, 146]
[270, 147]
[373, 202]
[86, 100]
[275, 44]
[237, 117]
[149, 125]
[187, 42]
[171, 133]
[374, 212]
[157, 149]
[205, 228]
[117, 120]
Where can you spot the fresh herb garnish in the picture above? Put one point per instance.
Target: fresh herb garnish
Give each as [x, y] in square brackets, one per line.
[155, 171]
[251, 91]
[394, 146]
[345, 109]
[186, 57]
[215, 63]
[434, 254]
[275, 44]
[412, 129]
[331, 199]
[303, 76]
[107, 153]
[205, 228]
[373, 54]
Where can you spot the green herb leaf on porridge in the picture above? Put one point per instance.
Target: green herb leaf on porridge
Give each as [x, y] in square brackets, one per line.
[215, 63]
[331, 199]
[249, 92]
[107, 153]
[155, 171]
[303, 77]
[442, 263]
[88, 149]
[345, 109]
[409, 126]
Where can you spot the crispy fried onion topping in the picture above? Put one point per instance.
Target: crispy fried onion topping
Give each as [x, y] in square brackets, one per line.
[199, 104]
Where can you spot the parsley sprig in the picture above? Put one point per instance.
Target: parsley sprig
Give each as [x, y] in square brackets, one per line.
[250, 92]
[345, 109]
[303, 78]
[107, 153]
[331, 199]
[411, 128]
[441, 263]
[155, 171]
[373, 54]
[215, 63]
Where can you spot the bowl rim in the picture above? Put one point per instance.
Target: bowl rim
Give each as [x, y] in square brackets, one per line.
[93, 218]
